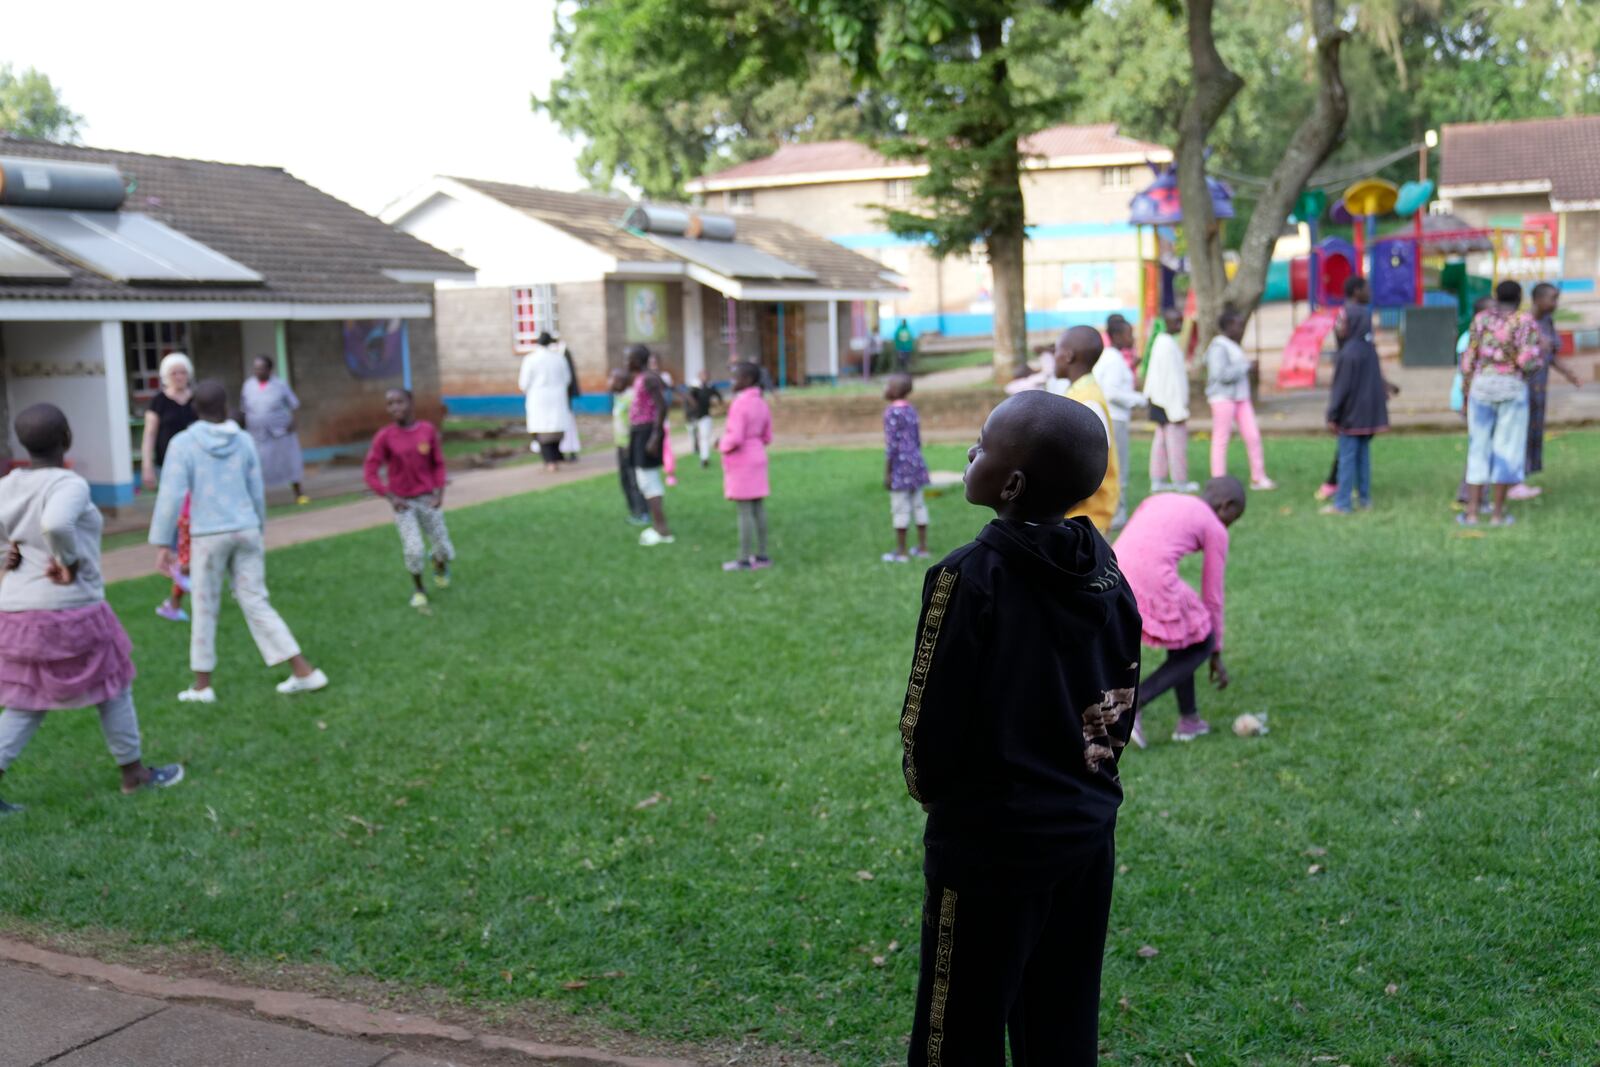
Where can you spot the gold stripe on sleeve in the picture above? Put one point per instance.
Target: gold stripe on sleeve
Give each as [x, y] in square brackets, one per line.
[927, 641]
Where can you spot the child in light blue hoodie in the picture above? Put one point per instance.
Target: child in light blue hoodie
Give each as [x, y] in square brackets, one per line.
[216, 463]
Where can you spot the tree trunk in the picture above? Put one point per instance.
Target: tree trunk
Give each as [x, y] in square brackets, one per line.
[1010, 305]
[1008, 231]
[1313, 142]
[1212, 88]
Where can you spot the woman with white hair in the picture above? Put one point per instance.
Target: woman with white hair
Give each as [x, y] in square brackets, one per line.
[171, 412]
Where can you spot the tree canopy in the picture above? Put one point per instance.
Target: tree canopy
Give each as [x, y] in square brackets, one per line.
[30, 106]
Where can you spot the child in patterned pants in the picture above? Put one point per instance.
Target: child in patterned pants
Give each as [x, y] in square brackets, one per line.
[408, 451]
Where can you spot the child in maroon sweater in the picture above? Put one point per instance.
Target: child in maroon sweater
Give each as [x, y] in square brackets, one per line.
[410, 451]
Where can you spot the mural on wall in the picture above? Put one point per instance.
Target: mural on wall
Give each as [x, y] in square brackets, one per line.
[1088, 285]
[645, 309]
[373, 348]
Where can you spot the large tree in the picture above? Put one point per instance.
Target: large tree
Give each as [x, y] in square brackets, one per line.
[952, 64]
[30, 106]
[662, 91]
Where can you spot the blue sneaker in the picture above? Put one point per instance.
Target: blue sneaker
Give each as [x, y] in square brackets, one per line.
[161, 777]
[10, 809]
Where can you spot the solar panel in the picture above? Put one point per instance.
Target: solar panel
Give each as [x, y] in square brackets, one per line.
[732, 259]
[19, 264]
[127, 246]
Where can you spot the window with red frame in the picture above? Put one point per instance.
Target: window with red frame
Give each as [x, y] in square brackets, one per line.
[144, 345]
[533, 311]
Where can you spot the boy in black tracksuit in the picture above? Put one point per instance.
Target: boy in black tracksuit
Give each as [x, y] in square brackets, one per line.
[1021, 699]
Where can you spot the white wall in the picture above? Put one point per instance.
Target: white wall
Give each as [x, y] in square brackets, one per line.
[78, 367]
[817, 337]
[507, 247]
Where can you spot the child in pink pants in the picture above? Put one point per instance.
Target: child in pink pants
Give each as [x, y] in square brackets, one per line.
[1228, 391]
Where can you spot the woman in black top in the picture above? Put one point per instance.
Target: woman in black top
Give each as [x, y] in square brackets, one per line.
[171, 412]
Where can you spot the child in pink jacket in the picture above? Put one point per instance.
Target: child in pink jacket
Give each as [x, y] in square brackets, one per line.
[743, 445]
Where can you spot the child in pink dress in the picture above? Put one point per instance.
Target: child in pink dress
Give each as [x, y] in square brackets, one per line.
[744, 466]
[1164, 529]
[61, 645]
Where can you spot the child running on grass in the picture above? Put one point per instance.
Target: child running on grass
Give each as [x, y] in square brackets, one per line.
[61, 645]
[1019, 704]
[409, 451]
[1077, 351]
[214, 463]
[1165, 528]
[743, 446]
[905, 472]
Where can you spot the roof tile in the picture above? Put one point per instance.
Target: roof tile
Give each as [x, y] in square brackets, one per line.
[1565, 152]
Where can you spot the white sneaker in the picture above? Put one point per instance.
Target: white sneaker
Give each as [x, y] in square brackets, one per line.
[309, 684]
[1186, 487]
[1161, 487]
[208, 695]
[648, 538]
[419, 599]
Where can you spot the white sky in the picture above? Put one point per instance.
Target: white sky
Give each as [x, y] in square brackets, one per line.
[364, 100]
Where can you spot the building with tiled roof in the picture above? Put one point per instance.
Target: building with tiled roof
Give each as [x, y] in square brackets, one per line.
[603, 272]
[1541, 174]
[111, 260]
[1083, 257]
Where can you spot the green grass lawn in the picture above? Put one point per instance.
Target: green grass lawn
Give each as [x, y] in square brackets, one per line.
[594, 759]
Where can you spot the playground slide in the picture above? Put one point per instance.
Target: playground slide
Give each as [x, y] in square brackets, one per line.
[1301, 354]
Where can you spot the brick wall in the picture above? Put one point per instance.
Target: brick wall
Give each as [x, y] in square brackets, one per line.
[585, 331]
[339, 408]
[670, 350]
[474, 330]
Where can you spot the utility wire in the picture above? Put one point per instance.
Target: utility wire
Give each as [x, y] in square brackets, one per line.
[1329, 177]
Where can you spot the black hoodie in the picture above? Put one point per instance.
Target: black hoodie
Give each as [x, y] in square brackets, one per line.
[1020, 701]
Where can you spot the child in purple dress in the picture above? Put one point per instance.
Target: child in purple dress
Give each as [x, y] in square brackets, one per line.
[904, 470]
[61, 645]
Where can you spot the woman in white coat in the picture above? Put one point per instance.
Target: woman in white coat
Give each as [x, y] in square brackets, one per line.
[544, 379]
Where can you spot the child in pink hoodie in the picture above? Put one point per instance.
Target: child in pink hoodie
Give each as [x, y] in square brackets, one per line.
[744, 465]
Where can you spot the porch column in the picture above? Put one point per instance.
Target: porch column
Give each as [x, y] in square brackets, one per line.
[694, 331]
[78, 367]
[833, 339]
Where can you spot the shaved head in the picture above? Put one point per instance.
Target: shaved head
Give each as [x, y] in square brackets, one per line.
[1226, 497]
[211, 400]
[1058, 447]
[43, 429]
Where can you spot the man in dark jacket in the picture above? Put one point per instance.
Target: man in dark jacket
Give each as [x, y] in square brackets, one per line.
[1021, 699]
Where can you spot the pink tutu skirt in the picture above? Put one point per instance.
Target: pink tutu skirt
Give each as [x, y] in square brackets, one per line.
[63, 659]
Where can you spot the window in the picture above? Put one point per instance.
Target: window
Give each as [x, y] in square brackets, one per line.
[1116, 177]
[144, 345]
[533, 311]
[739, 200]
[899, 190]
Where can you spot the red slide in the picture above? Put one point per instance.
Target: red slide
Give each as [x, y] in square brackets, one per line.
[1304, 350]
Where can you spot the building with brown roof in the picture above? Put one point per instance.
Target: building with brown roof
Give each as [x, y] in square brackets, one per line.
[603, 272]
[109, 261]
[1082, 256]
[1535, 174]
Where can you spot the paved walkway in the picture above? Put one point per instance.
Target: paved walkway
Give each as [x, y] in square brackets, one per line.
[68, 1011]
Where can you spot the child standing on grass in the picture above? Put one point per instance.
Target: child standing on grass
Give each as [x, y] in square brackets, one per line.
[698, 400]
[1358, 408]
[621, 402]
[61, 645]
[743, 446]
[905, 472]
[1166, 384]
[1019, 704]
[647, 437]
[410, 452]
[1228, 391]
[1077, 351]
[1164, 529]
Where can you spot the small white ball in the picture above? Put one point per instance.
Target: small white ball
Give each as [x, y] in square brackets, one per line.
[1248, 726]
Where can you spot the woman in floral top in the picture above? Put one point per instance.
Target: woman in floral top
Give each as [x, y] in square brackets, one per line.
[1503, 351]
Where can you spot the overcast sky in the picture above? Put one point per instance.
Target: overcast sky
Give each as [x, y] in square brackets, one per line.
[364, 100]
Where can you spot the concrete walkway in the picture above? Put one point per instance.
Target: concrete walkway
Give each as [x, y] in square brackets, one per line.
[68, 1011]
[467, 488]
